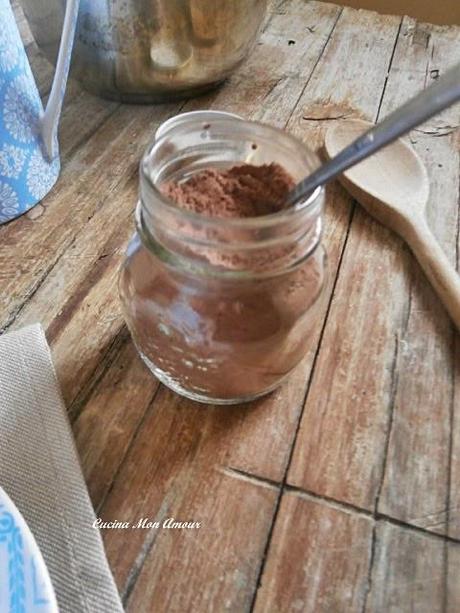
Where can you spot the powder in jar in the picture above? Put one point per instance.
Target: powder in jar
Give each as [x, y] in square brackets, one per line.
[219, 336]
[241, 191]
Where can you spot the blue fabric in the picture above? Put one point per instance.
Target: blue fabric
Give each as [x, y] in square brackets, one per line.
[26, 175]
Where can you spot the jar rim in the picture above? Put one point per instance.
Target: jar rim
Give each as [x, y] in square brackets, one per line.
[181, 118]
[149, 187]
[206, 269]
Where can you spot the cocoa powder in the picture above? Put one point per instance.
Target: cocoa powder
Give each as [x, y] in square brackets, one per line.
[241, 191]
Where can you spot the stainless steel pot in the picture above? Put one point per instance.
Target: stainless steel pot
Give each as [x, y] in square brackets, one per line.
[151, 50]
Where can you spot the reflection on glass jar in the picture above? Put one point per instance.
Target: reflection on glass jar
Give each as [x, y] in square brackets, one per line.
[221, 310]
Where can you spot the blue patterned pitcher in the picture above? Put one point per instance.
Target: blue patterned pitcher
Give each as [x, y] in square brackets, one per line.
[29, 155]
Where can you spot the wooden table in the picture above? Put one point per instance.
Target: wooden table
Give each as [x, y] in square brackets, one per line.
[339, 492]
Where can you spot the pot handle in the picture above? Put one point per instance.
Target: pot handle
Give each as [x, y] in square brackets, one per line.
[50, 118]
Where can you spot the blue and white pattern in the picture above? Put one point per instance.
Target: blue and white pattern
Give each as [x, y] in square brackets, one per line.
[21, 111]
[11, 536]
[40, 175]
[8, 196]
[12, 160]
[25, 586]
[10, 202]
[9, 54]
[26, 172]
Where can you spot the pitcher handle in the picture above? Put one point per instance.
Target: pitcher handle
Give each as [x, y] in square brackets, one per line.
[52, 113]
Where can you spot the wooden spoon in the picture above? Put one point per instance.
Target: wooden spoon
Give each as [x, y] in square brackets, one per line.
[393, 187]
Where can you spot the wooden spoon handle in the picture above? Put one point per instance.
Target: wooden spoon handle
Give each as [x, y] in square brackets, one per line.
[440, 272]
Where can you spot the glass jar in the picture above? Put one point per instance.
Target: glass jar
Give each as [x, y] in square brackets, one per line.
[222, 310]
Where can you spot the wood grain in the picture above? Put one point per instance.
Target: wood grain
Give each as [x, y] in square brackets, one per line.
[30, 248]
[452, 587]
[366, 343]
[215, 568]
[417, 476]
[318, 559]
[271, 81]
[167, 472]
[113, 413]
[409, 572]
[340, 443]
[232, 440]
[378, 445]
[453, 506]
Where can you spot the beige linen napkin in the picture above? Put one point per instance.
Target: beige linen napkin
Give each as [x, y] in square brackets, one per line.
[39, 469]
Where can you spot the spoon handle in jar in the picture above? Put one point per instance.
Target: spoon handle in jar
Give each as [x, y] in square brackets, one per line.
[414, 112]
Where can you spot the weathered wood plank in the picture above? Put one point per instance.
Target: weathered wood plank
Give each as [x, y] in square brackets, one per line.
[342, 441]
[42, 70]
[80, 293]
[271, 80]
[318, 559]
[29, 248]
[416, 483]
[256, 439]
[409, 572]
[66, 299]
[171, 456]
[169, 475]
[452, 583]
[453, 514]
[113, 413]
[154, 474]
[214, 437]
[213, 568]
[81, 181]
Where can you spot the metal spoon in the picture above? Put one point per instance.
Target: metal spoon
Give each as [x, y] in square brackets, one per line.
[431, 101]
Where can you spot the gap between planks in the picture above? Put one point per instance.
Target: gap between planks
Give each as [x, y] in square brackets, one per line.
[98, 372]
[375, 515]
[115, 346]
[284, 486]
[332, 503]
